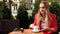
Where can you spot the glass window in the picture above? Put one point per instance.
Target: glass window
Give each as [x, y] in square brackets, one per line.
[15, 6]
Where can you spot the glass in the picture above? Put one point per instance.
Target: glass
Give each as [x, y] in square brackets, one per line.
[22, 30]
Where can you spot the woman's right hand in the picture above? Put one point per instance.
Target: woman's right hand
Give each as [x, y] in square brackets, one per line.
[31, 26]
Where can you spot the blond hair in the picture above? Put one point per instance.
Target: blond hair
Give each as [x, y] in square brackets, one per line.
[46, 16]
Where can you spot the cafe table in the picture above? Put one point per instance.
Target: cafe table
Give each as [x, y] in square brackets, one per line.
[26, 31]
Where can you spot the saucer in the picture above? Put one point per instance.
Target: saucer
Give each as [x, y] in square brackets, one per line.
[35, 30]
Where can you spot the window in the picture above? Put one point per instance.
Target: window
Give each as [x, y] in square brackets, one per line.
[15, 6]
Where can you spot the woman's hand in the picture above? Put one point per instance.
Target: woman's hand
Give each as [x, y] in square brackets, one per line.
[45, 28]
[31, 26]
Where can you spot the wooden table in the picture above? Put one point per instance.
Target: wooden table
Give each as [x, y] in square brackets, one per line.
[26, 31]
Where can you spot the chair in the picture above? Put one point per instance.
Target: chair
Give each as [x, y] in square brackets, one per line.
[9, 25]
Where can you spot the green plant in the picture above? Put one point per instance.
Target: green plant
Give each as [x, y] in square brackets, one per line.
[6, 13]
[23, 16]
[1, 8]
[36, 6]
[13, 17]
[55, 8]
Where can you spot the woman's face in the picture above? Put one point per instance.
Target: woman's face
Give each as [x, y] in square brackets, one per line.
[42, 8]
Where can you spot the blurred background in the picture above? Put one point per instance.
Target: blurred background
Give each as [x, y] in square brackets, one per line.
[20, 13]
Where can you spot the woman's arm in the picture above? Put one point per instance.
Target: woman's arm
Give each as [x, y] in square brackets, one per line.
[34, 23]
[54, 25]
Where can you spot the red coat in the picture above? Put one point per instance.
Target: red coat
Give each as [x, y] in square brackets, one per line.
[52, 25]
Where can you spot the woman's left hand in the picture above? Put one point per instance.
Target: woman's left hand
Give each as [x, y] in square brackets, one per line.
[45, 28]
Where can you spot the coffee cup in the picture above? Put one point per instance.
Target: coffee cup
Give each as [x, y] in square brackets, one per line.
[35, 28]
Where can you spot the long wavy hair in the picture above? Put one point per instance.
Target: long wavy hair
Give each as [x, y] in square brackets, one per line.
[47, 19]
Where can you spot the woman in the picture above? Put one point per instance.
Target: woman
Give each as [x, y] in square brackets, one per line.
[45, 20]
